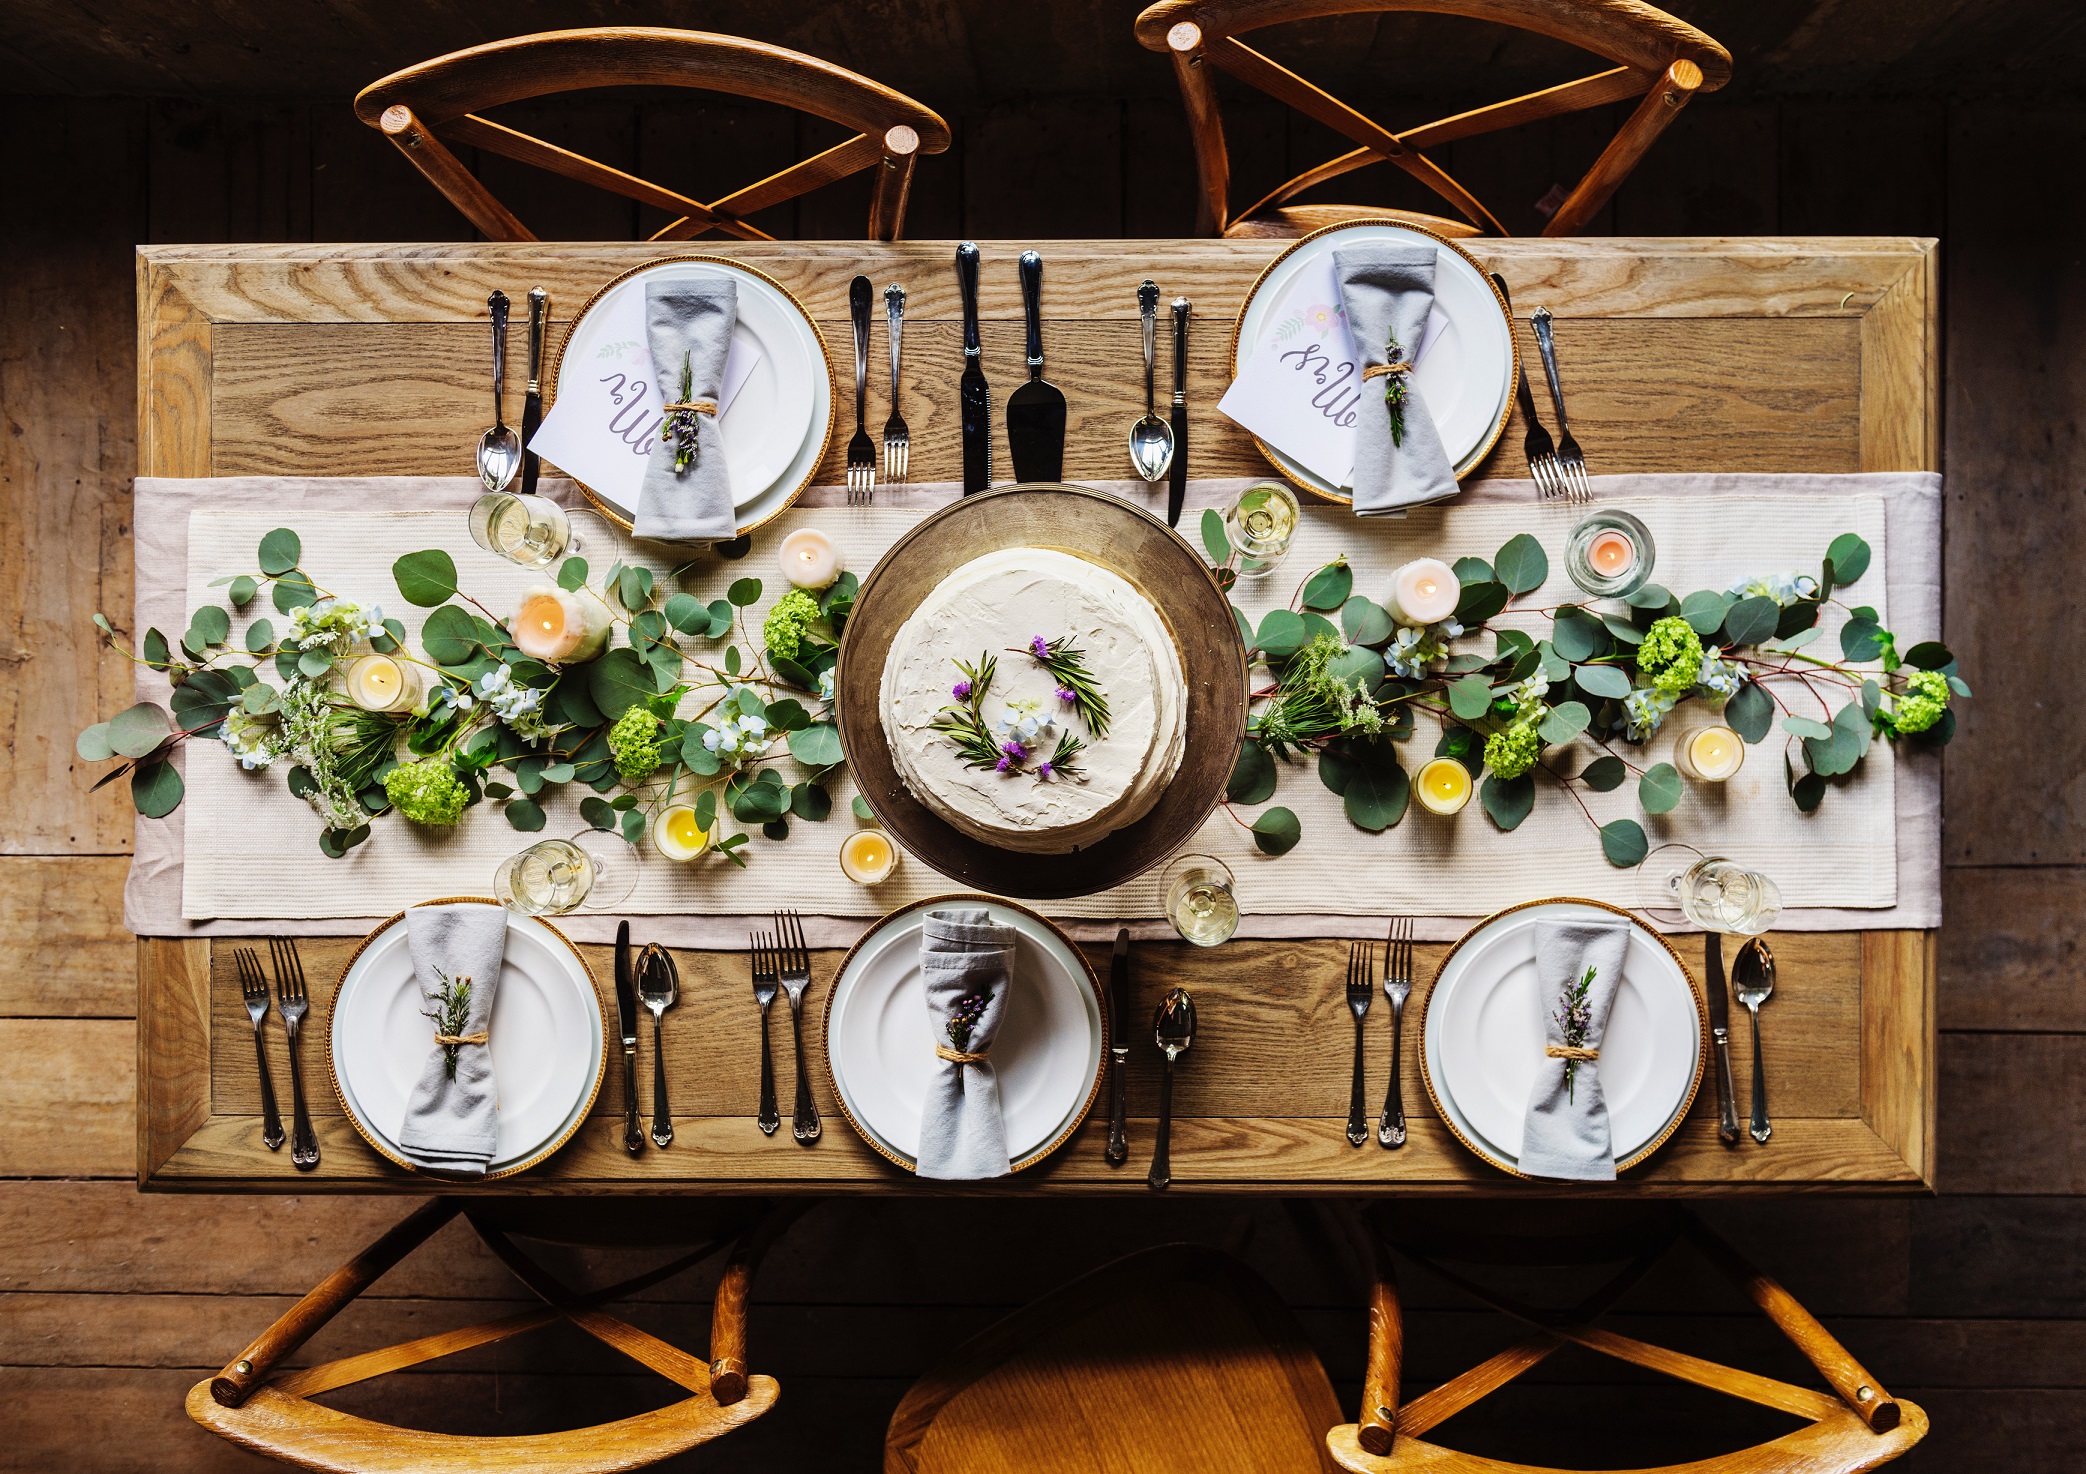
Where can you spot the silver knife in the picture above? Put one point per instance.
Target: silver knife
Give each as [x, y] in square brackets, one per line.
[1177, 486]
[626, 1022]
[1720, 1033]
[1118, 1047]
[973, 397]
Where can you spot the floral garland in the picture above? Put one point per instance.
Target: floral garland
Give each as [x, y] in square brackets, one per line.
[611, 720]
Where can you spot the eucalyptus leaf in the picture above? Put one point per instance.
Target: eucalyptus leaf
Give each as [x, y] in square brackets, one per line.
[1608, 681]
[1366, 622]
[816, 746]
[1796, 618]
[525, 814]
[426, 578]
[300, 782]
[1807, 727]
[259, 636]
[1378, 792]
[93, 744]
[528, 773]
[1281, 634]
[1357, 666]
[687, 614]
[1649, 596]
[1508, 800]
[280, 551]
[743, 592]
[1750, 621]
[203, 700]
[633, 827]
[1479, 602]
[155, 789]
[1929, 655]
[572, 574]
[137, 731]
[1252, 776]
[211, 625]
[243, 591]
[1563, 722]
[258, 700]
[155, 650]
[1578, 636]
[1659, 790]
[810, 801]
[1624, 843]
[1750, 711]
[1335, 769]
[787, 715]
[449, 637]
[1704, 611]
[1800, 639]
[731, 660]
[1605, 773]
[1861, 638]
[315, 662]
[862, 810]
[1277, 831]
[1850, 558]
[1521, 564]
[570, 704]
[294, 591]
[1473, 570]
[633, 587]
[1329, 587]
[1214, 540]
[1624, 630]
[1470, 697]
[618, 681]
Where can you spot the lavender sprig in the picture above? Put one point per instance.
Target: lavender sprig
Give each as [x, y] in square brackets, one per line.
[963, 1019]
[1394, 386]
[1574, 1018]
[451, 1012]
[1077, 687]
[682, 428]
[963, 721]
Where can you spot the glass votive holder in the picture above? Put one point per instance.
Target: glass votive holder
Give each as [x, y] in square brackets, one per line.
[1443, 786]
[867, 857]
[383, 683]
[1610, 554]
[1708, 750]
[1260, 525]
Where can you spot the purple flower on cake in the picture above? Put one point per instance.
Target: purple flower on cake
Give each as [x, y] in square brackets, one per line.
[1014, 750]
[1040, 648]
[1043, 769]
[1003, 765]
[1067, 695]
[961, 690]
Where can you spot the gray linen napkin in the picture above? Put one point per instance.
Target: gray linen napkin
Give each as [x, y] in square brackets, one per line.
[1566, 1133]
[1390, 289]
[453, 1125]
[964, 952]
[689, 320]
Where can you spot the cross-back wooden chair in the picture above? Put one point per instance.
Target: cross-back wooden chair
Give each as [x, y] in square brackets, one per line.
[254, 1404]
[1858, 1426]
[1665, 60]
[445, 96]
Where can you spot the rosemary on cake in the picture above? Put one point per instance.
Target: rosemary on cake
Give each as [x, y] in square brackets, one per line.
[1076, 686]
[1008, 747]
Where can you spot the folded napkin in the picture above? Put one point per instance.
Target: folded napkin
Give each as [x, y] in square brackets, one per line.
[966, 964]
[1566, 1133]
[690, 321]
[1388, 292]
[452, 1118]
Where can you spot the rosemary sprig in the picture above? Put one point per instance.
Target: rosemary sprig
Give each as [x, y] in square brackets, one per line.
[681, 427]
[1063, 762]
[963, 721]
[1394, 387]
[1574, 1018]
[1066, 663]
[452, 1011]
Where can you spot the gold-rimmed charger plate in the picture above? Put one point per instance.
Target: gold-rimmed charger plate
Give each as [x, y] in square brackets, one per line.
[1038, 932]
[1497, 1156]
[575, 1115]
[766, 508]
[1104, 530]
[1471, 461]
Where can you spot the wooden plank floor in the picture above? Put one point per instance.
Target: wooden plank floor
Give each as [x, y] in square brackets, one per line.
[112, 1304]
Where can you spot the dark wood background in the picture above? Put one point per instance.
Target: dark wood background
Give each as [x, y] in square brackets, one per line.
[129, 123]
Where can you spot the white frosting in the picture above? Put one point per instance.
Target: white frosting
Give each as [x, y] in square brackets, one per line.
[995, 605]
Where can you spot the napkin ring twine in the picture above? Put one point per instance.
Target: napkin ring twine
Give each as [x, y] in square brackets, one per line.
[1570, 1051]
[453, 1040]
[682, 430]
[1373, 371]
[957, 1056]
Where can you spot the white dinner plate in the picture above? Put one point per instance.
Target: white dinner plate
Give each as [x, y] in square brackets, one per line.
[1483, 1036]
[546, 1040]
[1466, 371]
[1047, 1054]
[776, 428]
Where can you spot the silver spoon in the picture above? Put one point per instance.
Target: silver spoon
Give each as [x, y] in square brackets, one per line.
[1173, 1030]
[1151, 438]
[1752, 982]
[658, 982]
[499, 449]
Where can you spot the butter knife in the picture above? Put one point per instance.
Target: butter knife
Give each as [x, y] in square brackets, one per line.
[626, 1022]
[974, 399]
[1177, 484]
[532, 403]
[1720, 1035]
[1118, 1047]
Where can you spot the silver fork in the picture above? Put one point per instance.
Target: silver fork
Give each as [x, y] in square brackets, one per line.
[1397, 986]
[795, 971]
[898, 440]
[1361, 957]
[1542, 455]
[291, 998]
[1570, 461]
[760, 952]
[861, 451]
[254, 989]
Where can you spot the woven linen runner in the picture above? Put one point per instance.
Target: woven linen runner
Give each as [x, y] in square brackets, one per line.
[242, 850]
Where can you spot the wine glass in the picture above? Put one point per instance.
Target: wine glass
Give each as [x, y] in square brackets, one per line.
[594, 868]
[1199, 899]
[1712, 892]
[526, 529]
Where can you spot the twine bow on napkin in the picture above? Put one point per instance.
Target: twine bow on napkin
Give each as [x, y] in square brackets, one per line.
[966, 967]
[1399, 460]
[1579, 969]
[687, 490]
[452, 1123]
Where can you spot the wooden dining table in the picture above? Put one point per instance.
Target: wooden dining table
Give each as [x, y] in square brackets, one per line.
[1757, 354]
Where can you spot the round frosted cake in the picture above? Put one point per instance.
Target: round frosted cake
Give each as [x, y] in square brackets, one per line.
[1010, 760]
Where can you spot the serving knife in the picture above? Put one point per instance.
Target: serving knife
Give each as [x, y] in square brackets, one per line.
[1118, 1047]
[626, 1023]
[1177, 483]
[532, 403]
[1720, 1034]
[973, 398]
[1036, 410]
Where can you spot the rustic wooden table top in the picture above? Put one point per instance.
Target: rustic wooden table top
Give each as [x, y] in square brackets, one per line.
[1729, 354]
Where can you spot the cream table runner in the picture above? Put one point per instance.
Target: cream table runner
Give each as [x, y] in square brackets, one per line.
[241, 850]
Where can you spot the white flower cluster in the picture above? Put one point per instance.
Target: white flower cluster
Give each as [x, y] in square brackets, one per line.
[336, 623]
[1412, 651]
[1719, 677]
[1025, 722]
[825, 683]
[1784, 588]
[1643, 710]
[737, 739]
[520, 707]
[1528, 698]
[254, 741]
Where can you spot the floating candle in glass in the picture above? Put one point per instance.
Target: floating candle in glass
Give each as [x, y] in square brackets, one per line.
[1443, 786]
[1710, 753]
[1610, 554]
[809, 559]
[559, 624]
[867, 856]
[379, 683]
[678, 834]
[1423, 592]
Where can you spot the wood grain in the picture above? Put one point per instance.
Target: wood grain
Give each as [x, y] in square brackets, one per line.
[67, 1097]
[2011, 950]
[63, 950]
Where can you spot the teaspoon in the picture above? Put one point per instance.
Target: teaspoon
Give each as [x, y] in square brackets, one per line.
[1173, 1030]
[499, 449]
[1151, 438]
[1752, 981]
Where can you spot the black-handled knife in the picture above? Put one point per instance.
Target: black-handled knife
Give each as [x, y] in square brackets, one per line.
[1177, 474]
[626, 1023]
[1036, 410]
[973, 398]
[1119, 1048]
[532, 403]
[1720, 1035]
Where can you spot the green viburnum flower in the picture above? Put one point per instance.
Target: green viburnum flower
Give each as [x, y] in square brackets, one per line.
[427, 792]
[1512, 752]
[1922, 701]
[634, 743]
[1671, 655]
[784, 628]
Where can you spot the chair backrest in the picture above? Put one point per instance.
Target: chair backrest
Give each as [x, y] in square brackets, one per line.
[444, 97]
[253, 1404]
[1655, 54]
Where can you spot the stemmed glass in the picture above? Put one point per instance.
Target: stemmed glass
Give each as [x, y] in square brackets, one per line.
[527, 529]
[555, 876]
[1199, 900]
[1712, 892]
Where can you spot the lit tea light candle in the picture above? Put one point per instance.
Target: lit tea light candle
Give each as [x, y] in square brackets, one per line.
[557, 624]
[678, 834]
[1425, 591]
[1443, 786]
[379, 683]
[1611, 554]
[867, 856]
[809, 559]
[1711, 753]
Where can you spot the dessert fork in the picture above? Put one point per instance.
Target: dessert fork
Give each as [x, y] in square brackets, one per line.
[291, 998]
[861, 451]
[1361, 987]
[1569, 458]
[760, 955]
[795, 971]
[898, 440]
[1542, 455]
[254, 989]
[1397, 986]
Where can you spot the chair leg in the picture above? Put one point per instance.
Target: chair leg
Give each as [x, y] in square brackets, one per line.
[728, 1313]
[1660, 107]
[1379, 1415]
[446, 172]
[894, 183]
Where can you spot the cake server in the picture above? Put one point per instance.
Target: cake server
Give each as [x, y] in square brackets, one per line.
[1035, 411]
[1177, 485]
[973, 398]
